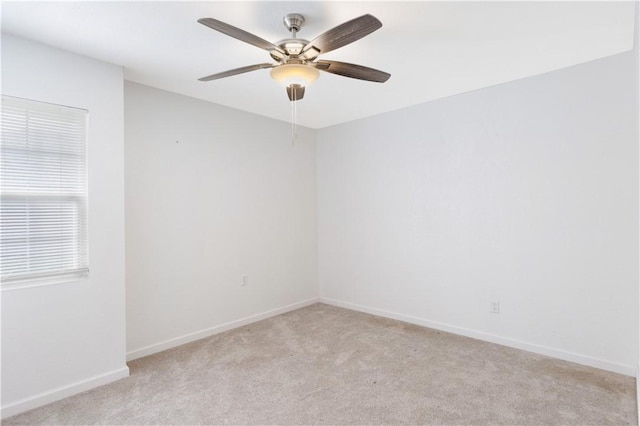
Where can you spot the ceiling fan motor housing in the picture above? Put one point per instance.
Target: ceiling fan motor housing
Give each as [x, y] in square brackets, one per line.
[293, 46]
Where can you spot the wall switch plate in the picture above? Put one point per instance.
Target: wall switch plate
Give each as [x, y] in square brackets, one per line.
[494, 307]
[245, 280]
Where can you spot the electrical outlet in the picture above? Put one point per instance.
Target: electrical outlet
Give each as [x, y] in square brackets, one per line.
[494, 307]
[245, 280]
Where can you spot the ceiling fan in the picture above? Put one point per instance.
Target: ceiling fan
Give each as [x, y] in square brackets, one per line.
[296, 59]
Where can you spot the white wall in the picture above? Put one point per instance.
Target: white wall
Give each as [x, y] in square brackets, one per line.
[64, 338]
[637, 50]
[212, 194]
[525, 192]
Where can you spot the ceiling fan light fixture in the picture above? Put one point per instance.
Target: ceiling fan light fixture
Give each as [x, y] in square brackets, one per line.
[289, 74]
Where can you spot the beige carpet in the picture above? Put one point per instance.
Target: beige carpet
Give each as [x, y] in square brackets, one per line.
[325, 365]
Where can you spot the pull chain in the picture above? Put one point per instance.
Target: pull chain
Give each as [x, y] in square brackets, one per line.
[294, 117]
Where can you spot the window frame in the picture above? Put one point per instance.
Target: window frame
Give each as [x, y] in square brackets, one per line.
[66, 202]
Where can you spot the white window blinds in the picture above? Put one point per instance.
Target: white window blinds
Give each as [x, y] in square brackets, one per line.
[43, 211]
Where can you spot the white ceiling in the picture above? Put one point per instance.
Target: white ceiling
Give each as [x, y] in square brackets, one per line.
[431, 49]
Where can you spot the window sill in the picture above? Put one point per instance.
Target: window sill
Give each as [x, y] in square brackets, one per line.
[41, 282]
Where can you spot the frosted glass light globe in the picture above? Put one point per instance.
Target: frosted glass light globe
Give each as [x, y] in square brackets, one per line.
[288, 74]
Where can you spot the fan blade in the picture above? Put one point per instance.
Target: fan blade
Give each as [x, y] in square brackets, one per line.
[295, 92]
[241, 35]
[351, 70]
[342, 35]
[236, 71]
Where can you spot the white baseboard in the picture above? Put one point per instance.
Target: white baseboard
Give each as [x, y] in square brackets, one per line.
[62, 392]
[201, 334]
[627, 370]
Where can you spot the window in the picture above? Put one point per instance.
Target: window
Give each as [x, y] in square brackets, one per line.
[43, 185]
